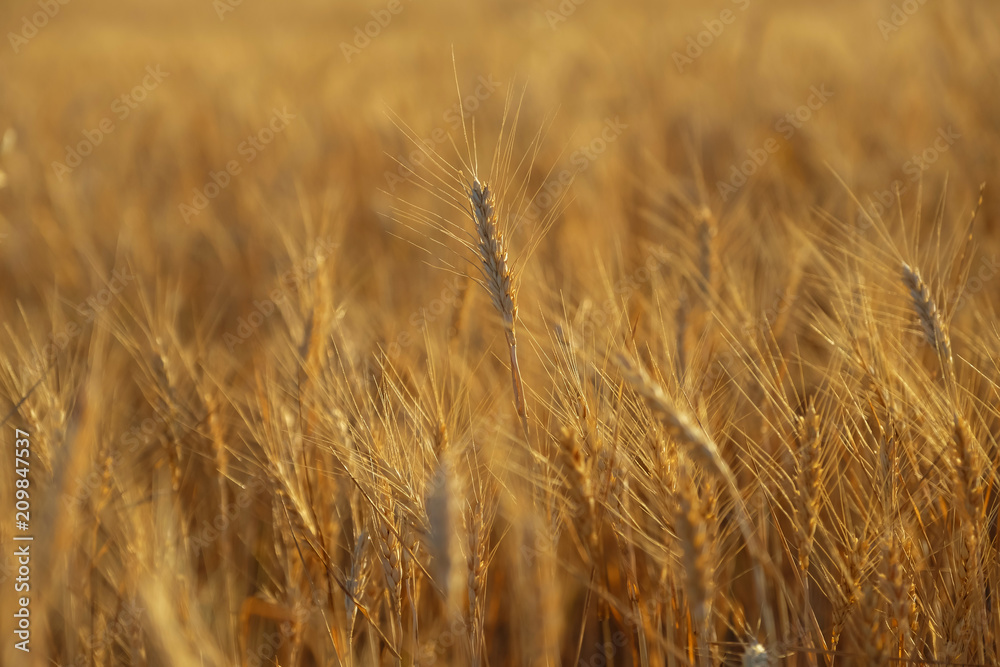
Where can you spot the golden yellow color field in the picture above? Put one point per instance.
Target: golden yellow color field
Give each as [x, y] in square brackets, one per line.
[549, 332]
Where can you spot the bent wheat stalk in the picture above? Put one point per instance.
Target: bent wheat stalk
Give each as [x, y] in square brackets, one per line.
[497, 276]
[702, 450]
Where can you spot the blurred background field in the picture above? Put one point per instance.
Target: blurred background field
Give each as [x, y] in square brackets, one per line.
[163, 380]
[226, 75]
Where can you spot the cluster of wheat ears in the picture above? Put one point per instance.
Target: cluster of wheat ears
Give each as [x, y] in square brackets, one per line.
[746, 434]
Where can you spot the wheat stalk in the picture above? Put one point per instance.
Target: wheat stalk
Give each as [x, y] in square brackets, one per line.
[897, 591]
[498, 279]
[873, 637]
[692, 533]
[855, 564]
[969, 493]
[701, 449]
[808, 487]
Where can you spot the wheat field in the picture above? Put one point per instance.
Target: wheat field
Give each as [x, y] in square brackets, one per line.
[549, 332]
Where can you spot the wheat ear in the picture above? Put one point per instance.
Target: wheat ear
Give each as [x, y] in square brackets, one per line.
[356, 582]
[931, 321]
[477, 530]
[807, 495]
[580, 490]
[497, 276]
[693, 536]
